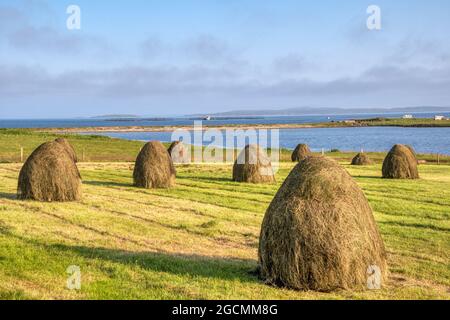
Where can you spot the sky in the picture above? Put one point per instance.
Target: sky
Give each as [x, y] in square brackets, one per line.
[178, 57]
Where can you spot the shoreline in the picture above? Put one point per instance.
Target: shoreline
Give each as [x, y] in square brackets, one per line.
[169, 128]
[90, 146]
[359, 124]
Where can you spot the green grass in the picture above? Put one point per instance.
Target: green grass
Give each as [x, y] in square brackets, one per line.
[199, 240]
[397, 122]
[386, 122]
[93, 148]
[87, 147]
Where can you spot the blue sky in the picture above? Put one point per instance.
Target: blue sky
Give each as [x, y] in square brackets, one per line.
[185, 56]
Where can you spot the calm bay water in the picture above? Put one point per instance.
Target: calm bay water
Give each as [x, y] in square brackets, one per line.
[91, 122]
[424, 140]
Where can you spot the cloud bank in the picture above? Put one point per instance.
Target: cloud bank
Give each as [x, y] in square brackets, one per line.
[204, 72]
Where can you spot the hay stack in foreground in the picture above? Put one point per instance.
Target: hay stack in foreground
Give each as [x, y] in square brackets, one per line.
[361, 159]
[179, 153]
[300, 153]
[50, 174]
[154, 167]
[400, 163]
[319, 232]
[253, 166]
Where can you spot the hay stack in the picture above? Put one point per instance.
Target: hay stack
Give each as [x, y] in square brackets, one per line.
[69, 148]
[50, 174]
[179, 153]
[361, 159]
[154, 167]
[319, 232]
[412, 151]
[253, 166]
[301, 152]
[400, 163]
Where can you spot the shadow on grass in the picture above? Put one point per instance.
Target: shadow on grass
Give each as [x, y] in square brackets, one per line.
[208, 179]
[415, 225]
[13, 295]
[193, 266]
[177, 264]
[6, 195]
[108, 184]
[368, 177]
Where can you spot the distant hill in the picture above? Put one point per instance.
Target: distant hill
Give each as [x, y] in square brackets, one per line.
[116, 116]
[327, 111]
[282, 112]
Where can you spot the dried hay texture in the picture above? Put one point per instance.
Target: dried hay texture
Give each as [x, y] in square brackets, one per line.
[300, 153]
[154, 167]
[319, 232]
[413, 152]
[400, 163]
[253, 166]
[50, 174]
[69, 148]
[361, 159]
[179, 153]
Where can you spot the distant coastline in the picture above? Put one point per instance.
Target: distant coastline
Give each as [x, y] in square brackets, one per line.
[374, 122]
[312, 111]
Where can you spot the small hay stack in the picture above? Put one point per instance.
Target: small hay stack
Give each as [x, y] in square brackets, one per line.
[69, 148]
[179, 153]
[300, 153]
[361, 159]
[154, 167]
[253, 166]
[413, 152]
[50, 174]
[319, 232]
[400, 163]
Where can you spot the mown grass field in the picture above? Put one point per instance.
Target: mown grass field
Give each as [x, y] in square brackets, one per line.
[199, 240]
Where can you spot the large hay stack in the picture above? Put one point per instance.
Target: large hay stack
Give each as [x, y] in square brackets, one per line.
[319, 232]
[253, 166]
[154, 167]
[361, 159]
[50, 174]
[300, 153]
[400, 163]
[179, 153]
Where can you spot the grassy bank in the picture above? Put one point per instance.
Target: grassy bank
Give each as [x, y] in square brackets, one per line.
[93, 148]
[199, 240]
[87, 147]
[385, 122]
[396, 122]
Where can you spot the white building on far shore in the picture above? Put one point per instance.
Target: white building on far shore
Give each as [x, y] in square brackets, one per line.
[408, 116]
